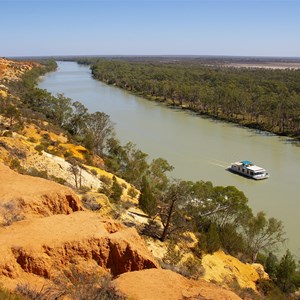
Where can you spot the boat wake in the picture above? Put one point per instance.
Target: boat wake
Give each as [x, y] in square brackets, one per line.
[219, 163]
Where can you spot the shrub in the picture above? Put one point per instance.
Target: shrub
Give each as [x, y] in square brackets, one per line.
[39, 148]
[132, 192]
[84, 189]
[32, 140]
[67, 154]
[88, 158]
[11, 212]
[116, 190]
[192, 268]
[45, 293]
[90, 202]
[104, 190]
[58, 179]
[106, 180]
[7, 133]
[82, 285]
[15, 164]
[210, 240]
[37, 173]
[94, 172]
[173, 255]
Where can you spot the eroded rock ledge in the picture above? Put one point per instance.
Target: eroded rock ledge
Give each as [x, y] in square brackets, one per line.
[34, 197]
[45, 246]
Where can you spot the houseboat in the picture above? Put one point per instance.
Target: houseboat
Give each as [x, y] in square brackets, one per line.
[248, 169]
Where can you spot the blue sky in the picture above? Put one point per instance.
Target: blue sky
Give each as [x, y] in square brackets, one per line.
[144, 27]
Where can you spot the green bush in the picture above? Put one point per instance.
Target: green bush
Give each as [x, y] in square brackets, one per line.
[116, 191]
[173, 255]
[90, 202]
[94, 172]
[32, 140]
[15, 164]
[106, 180]
[67, 154]
[132, 192]
[37, 173]
[104, 190]
[7, 133]
[192, 268]
[39, 148]
[84, 189]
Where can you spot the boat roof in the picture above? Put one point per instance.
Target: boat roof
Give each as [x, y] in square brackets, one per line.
[255, 168]
[249, 165]
[246, 162]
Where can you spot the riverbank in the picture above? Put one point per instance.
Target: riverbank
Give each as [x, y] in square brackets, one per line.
[198, 148]
[260, 99]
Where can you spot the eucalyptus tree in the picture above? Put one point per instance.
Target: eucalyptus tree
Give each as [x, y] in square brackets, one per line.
[172, 216]
[100, 129]
[78, 119]
[262, 233]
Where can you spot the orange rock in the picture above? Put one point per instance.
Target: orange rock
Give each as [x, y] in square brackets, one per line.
[45, 246]
[35, 196]
[157, 284]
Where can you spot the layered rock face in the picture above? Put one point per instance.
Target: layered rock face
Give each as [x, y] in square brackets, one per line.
[12, 70]
[45, 246]
[24, 196]
[44, 230]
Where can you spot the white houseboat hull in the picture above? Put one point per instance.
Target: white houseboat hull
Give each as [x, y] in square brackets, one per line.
[248, 169]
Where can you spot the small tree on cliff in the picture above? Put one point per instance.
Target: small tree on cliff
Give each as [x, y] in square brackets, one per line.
[116, 190]
[287, 279]
[147, 201]
[262, 233]
[172, 216]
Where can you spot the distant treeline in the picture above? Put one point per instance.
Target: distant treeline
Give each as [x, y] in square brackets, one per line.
[267, 99]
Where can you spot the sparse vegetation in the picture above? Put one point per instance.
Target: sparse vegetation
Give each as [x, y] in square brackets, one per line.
[11, 212]
[220, 216]
[74, 284]
[90, 202]
[8, 295]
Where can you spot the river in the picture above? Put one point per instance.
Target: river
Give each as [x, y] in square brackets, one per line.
[198, 148]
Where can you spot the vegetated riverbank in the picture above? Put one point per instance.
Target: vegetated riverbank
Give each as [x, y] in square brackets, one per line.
[39, 129]
[82, 90]
[259, 98]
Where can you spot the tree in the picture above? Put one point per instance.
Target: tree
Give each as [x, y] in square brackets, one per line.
[116, 190]
[172, 217]
[286, 272]
[210, 239]
[62, 110]
[134, 164]
[101, 129]
[271, 265]
[262, 233]
[77, 121]
[11, 112]
[147, 201]
[75, 170]
[157, 175]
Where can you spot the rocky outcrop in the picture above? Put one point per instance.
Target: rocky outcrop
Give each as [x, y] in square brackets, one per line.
[166, 285]
[47, 245]
[12, 70]
[228, 271]
[29, 196]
